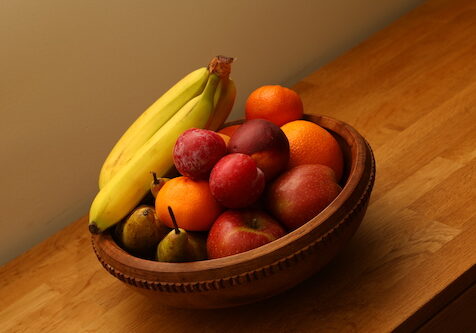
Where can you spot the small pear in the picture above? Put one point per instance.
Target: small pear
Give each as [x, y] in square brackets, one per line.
[174, 246]
[157, 184]
[140, 232]
[180, 245]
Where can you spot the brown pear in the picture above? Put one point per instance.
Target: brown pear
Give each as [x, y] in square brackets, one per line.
[140, 232]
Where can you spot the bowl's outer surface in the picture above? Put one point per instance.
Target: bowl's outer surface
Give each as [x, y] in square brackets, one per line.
[268, 270]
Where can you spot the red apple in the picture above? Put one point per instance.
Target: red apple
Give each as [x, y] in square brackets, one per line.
[301, 193]
[236, 182]
[237, 231]
[265, 142]
[196, 151]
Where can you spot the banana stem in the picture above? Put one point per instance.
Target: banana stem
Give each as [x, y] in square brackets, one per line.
[174, 221]
[221, 65]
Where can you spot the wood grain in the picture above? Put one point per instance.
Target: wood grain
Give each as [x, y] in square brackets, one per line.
[411, 91]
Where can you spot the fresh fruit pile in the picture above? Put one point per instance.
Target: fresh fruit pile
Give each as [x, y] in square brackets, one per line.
[177, 188]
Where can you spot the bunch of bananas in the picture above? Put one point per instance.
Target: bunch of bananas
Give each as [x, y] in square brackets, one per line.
[202, 99]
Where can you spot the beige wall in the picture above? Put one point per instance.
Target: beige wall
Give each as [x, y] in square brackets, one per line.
[74, 74]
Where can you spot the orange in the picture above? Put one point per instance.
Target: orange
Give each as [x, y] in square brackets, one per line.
[277, 104]
[225, 138]
[229, 130]
[309, 143]
[192, 203]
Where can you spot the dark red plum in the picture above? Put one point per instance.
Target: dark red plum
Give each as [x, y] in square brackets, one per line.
[265, 142]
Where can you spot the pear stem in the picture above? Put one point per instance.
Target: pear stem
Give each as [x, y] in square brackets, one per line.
[156, 180]
[174, 221]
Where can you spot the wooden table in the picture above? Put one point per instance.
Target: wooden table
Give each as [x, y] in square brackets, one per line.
[411, 91]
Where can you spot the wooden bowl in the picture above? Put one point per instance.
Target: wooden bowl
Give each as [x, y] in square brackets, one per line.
[265, 271]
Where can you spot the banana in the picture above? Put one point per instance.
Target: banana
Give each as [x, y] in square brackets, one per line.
[223, 100]
[151, 120]
[130, 184]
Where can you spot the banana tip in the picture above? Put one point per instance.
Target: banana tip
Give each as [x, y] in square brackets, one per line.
[93, 228]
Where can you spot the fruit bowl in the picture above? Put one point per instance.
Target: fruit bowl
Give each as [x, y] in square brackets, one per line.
[265, 271]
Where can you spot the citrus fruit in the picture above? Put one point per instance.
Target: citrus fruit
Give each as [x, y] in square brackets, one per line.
[309, 143]
[229, 130]
[277, 104]
[194, 207]
[225, 137]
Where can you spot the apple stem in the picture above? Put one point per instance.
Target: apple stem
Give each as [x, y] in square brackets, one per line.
[156, 180]
[174, 221]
